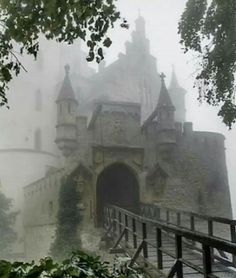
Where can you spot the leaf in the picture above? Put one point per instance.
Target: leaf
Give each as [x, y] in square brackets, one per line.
[107, 42]
[91, 56]
[5, 268]
[100, 52]
[5, 72]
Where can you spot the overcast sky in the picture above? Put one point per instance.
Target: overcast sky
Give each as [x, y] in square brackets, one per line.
[162, 18]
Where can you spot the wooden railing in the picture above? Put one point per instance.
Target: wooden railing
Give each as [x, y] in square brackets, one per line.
[188, 220]
[134, 232]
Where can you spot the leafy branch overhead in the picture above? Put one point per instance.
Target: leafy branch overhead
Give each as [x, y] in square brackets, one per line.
[22, 22]
[209, 29]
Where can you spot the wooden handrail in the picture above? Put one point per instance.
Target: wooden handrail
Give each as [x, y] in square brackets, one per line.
[222, 220]
[127, 231]
[199, 237]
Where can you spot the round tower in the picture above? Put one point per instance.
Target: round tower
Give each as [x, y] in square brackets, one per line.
[66, 127]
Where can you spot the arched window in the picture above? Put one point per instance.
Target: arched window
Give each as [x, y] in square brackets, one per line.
[38, 140]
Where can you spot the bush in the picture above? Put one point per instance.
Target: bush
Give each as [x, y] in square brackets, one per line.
[68, 219]
[79, 265]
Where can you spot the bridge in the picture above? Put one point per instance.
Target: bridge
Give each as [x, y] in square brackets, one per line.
[173, 243]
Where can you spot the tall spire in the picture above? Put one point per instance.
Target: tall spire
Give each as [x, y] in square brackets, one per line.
[66, 91]
[174, 82]
[164, 98]
[140, 24]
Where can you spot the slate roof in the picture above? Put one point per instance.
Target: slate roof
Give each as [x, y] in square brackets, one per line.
[66, 92]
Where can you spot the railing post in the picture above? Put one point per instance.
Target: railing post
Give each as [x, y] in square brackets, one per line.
[167, 216]
[178, 246]
[126, 230]
[233, 239]
[134, 233]
[105, 217]
[159, 246]
[109, 217]
[192, 223]
[210, 233]
[114, 222]
[144, 234]
[192, 226]
[158, 213]
[206, 251]
[120, 223]
[178, 215]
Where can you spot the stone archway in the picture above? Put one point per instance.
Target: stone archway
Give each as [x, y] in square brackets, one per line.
[117, 185]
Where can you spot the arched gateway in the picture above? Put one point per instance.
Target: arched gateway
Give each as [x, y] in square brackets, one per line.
[117, 185]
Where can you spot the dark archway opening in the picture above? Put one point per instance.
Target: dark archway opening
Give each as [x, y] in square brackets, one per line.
[117, 185]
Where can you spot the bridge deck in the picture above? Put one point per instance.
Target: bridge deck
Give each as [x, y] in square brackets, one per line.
[173, 250]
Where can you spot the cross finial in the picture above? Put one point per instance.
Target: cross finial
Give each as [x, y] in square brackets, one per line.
[67, 69]
[162, 76]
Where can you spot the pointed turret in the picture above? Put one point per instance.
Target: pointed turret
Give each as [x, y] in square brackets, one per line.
[66, 116]
[66, 92]
[174, 82]
[140, 44]
[164, 100]
[177, 94]
[140, 25]
[166, 121]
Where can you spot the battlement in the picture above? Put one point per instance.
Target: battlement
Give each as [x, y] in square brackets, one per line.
[44, 184]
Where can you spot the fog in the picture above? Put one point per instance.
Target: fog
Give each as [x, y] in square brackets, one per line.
[18, 125]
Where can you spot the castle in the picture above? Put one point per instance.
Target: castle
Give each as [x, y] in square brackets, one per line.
[125, 140]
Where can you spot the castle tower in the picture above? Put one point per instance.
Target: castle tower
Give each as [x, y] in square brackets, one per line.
[166, 120]
[177, 94]
[140, 44]
[67, 105]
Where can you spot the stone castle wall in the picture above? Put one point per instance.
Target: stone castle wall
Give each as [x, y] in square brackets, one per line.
[40, 214]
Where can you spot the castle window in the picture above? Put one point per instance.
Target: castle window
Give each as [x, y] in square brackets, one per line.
[38, 100]
[38, 140]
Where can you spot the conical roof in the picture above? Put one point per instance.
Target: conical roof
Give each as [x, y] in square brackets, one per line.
[140, 25]
[66, 91]
[174, 82]
[164, 97]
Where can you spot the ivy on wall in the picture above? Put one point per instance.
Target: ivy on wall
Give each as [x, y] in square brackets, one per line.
[68, 218]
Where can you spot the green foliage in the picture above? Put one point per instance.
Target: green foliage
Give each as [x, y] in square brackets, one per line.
[209, 29]
[79, 265]
[22, 22]
[68, 219]
[7, 218]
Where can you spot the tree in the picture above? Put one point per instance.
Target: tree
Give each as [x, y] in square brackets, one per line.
[68, 218]
[7, 218]
[209, 29]
[22, 22]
